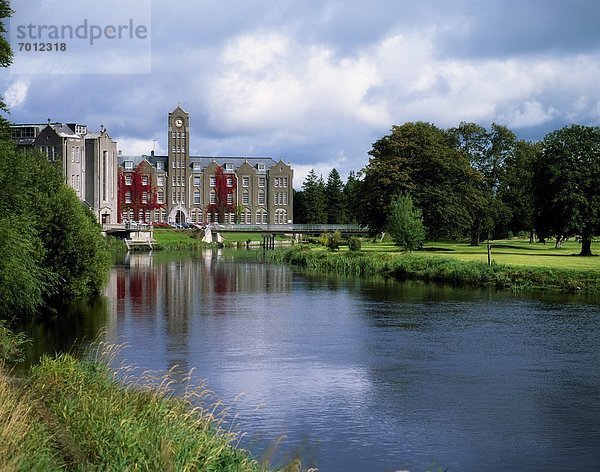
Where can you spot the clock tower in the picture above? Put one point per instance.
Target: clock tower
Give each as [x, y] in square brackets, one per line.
[178, 188]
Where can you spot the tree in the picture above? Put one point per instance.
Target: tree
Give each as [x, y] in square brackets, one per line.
[487, 152]
[405, 223]
[567, 184]
[50, 243]
[6, 57]
[516, 187]
[420, 160]
[300, 211]
[314, 199]
[352, 202]
[334, 197]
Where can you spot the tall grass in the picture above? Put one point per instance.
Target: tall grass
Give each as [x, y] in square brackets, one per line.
[102, 424]
[439, 269]
[25, 443]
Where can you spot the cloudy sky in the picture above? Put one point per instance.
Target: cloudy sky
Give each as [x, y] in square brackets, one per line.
[317, 82]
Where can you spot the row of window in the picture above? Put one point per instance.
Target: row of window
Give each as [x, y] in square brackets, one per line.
[128, 179]
[180, 149]
[75, 154]
[281, 198]
[281, 182]
[178, 134]
[197, 216]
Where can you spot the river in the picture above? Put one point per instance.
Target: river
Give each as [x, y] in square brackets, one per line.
[356, 374]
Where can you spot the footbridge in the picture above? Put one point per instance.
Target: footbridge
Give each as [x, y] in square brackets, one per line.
[268, 232]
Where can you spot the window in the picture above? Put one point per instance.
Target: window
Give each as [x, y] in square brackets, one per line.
[160, 180]
[230, 181]
[104, 174]
[285, 182]
[77, 177]
[213, 197]
[127, 197]
[276, 181]
[159, 165]
[280, 217]
[230, 199]
[197, 180]
[213, 181]
[261, 217]
[72, 154]
[127, 179]
[147, 220]
[245, 181]
[160, 197]
[261, 197]
[144, 198]
[246, 198]
[261, 181]
[260, 166]
[144, 180]
[285, 198]
[174, 197]
[77, 157]
[128, 165]
[174, 181]
[228, 166]
[196, 196]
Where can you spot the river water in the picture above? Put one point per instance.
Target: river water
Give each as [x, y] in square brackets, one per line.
[356, 374]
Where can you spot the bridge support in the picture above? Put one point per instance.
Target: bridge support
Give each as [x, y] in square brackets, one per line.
[268, 241]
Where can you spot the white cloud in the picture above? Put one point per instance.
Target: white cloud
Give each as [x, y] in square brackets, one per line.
[16, 93]
[137, 147]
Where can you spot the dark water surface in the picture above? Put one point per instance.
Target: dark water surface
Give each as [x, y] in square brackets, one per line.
[363, 374]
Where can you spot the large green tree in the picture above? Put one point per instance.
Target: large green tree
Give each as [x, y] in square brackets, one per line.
[567, 184]
[50, 243]
[487, 151]
[516, 187]
[420, 160]
[334, 198]
[6, 57]
[314, 198]
[352, 198]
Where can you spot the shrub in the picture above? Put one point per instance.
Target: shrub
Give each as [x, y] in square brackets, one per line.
[354, 243]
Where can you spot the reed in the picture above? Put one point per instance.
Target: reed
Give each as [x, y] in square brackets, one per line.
[439, 269]
[124, 420]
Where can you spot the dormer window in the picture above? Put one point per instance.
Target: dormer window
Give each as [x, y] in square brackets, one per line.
[260, 166]
[128, 165]
[228, 166]
[159, 166]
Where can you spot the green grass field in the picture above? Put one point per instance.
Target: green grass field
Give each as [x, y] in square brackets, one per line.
[515, 252]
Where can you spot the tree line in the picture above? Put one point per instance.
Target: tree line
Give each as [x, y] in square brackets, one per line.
[469, 182]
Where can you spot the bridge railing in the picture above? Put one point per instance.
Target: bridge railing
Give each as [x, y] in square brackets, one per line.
[290, 228]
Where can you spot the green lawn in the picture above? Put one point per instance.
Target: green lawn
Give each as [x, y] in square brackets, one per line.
[510, 251]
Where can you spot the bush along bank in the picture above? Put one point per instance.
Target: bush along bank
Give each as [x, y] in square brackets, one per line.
[74, 415]
[438, 269]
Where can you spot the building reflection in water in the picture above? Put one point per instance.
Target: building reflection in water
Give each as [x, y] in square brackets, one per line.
[158, 295]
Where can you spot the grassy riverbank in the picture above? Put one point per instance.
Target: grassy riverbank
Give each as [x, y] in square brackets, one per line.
[441, 268]
[74, 415]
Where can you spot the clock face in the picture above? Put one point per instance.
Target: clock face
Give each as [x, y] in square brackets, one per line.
[178, 122]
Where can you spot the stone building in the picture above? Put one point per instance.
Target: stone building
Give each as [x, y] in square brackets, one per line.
[88, 161]
[204, 189]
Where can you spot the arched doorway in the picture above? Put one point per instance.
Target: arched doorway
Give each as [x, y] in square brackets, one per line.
[179, 217]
